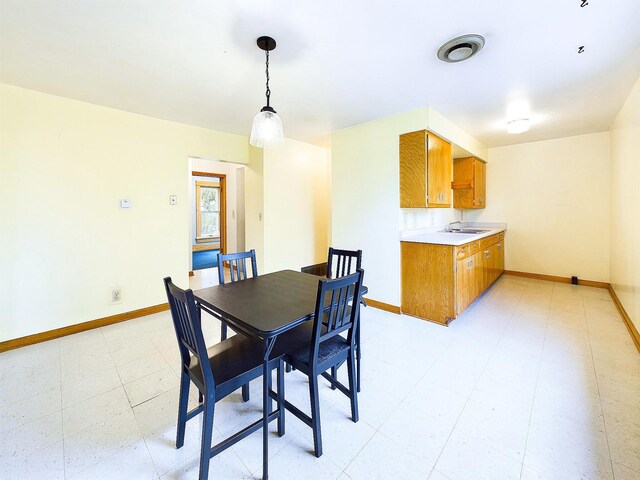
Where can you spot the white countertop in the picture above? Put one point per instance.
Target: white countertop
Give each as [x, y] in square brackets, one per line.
[437, 236]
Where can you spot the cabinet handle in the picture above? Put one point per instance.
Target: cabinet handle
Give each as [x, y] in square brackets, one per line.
[487, 253]
[499, 245]
[469, 264]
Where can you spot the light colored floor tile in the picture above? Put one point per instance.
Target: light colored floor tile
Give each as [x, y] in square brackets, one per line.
[89, 447]
[417, 432]
[94, 410]
[296, 459]
[552, 363]
[342, 439]
[249, 450]
[623, 428]
[501, 423]
[151, 386]
[17, 413]
[23, 441]
[162, 411]
[21, 384]
[162, 446]
[77, 368]
[133, 350]
[45, 463]
[437, 475]
[382, 458]
[142, 367]
[374, 404]
[573, 451]
[622, 472]
[132, 462]
[464, 457]
[620, 385]
[440, 402]
[91, 386]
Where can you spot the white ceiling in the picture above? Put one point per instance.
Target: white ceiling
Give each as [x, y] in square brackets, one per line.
[337, 63]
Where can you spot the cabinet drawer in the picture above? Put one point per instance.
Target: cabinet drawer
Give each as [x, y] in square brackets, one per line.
[463, 251]
[488, 241]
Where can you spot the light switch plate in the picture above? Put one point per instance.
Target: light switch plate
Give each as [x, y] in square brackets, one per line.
[173, 199]
[125, 203]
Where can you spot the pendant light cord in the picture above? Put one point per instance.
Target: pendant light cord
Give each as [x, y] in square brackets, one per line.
[267, 73]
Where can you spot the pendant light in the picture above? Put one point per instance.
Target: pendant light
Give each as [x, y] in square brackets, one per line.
[267, 127]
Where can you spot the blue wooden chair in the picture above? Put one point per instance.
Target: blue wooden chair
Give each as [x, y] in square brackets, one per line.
[238, 271]
[216, 372]
[339, 264]
[316, 347]
[343, 262]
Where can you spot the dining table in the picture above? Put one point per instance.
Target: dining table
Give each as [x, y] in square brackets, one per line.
[264, 307]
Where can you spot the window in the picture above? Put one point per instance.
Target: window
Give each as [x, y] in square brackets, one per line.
[207, 210]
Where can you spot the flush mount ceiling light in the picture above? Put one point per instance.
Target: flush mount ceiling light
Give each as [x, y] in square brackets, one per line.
[267, 126]
[519, 125]
[461, 48]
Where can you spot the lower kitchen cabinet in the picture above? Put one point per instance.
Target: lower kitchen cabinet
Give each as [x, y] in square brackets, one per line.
[439, 282]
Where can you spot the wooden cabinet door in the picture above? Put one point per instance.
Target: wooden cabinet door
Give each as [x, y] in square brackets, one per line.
[465, 283]
[413, 170]
[499, 258]
[479, 184]
[439, 171]
[428, 281]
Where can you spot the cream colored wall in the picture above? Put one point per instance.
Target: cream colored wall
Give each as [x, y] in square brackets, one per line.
[625, 205]
[554, 196]
[254, 205]
[441, 125]
[296, 205]
[64, 243]
[365, 193]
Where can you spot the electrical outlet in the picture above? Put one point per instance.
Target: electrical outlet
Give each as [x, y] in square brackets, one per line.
[116, 295]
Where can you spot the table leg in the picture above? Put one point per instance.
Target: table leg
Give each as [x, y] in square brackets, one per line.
[266, 402]
[265, 420]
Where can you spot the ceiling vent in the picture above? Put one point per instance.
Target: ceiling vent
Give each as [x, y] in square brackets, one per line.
[461, 48]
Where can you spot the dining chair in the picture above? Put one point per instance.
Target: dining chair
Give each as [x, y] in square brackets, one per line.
[315, 348]
[237, 271]
[340, 263]
[343, 262]
[216, 372]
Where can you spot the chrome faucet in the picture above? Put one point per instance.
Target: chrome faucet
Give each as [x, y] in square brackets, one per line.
[448, 227]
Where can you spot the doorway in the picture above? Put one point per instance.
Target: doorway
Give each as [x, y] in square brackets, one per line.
[216, 192]
[210, 207]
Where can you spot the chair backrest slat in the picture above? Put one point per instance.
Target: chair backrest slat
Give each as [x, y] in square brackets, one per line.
[237, 265]
[337, 309]
[343, 262]
[187, 325]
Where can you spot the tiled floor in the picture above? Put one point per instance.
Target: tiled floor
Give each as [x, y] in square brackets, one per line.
[536, 381]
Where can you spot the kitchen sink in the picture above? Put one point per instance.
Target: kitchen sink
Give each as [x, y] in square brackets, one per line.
[472, 231]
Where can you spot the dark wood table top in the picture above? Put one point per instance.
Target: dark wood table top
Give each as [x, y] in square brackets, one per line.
[266, 305]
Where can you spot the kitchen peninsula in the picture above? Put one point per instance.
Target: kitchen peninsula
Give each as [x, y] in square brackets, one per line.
[444, 272]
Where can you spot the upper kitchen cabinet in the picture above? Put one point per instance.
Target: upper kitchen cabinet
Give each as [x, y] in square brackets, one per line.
[469, 183]
[425, 171]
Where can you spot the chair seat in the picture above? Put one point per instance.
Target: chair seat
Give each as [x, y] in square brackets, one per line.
[296, 345]
[328, 349]
[235, 357]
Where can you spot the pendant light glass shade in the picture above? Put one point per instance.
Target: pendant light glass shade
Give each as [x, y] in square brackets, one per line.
[267, 130]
